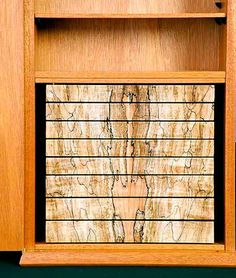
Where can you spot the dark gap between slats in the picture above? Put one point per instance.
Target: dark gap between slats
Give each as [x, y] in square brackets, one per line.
[134, 121]
[132, 197]
[132, 219]
[133, 139]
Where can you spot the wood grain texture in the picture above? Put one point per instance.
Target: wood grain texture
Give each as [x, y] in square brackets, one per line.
[130, 77]
[30, 125]
[129, 112]
[124, 45]
[132, 246]
[141, 148]
[110, 232]
[130, 166]
[158, 186]
[116, 176]
[154, 130]
[130, 93]
[128, 256]
[229, 154]
[11, 127]
[154, 208]
[125, 7]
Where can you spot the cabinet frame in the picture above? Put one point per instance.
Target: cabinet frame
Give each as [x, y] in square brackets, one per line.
[159, 254]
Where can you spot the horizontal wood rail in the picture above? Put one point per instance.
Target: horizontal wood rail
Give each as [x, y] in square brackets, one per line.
[128, 257]
[131, 77]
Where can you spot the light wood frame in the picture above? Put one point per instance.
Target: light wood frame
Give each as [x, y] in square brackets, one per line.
[169, 254]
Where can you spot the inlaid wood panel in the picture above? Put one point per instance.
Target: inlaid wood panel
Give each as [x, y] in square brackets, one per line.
[157, 186]
[114, 130]
[118, 148]
[114, 231]
[130, 166]
[129, 93]
[154, 208]
[132, 163]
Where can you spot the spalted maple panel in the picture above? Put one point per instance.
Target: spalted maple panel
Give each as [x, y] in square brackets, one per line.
[156, 186]
[130, 93]
[137, 148]
[130, 166]
[125, 208]
[124, 166]
[154, 130]
[114, 231]
[129, 112]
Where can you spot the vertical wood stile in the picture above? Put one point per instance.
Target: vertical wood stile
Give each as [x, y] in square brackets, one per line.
[29, 125]
[11, 126]
[229, 128]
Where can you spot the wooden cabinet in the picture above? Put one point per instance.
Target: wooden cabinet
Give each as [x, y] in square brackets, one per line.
[118, 132]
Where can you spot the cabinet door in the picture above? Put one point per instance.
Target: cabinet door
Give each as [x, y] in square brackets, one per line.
[130, 163]
[11, 126]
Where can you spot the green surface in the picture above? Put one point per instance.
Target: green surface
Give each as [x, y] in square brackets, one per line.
[9, 268]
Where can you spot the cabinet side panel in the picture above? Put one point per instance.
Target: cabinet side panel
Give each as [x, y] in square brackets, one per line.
[11, 126]
[229, 128]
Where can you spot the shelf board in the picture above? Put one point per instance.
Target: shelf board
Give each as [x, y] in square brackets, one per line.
[128, 257]
[131, 77]
[131, 15]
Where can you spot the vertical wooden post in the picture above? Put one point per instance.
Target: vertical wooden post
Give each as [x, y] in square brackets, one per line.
[29, 125]
[11, 126]
[229, 128]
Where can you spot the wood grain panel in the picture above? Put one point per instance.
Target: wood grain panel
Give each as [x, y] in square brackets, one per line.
[11, 126]
[129, 208]
[132, 148]
[130, 93]
[186, 130]
[124, 6]
[162, 231]
[123, 45]
[158, 186]
[132, 166]
[130, 112]
[131, 181]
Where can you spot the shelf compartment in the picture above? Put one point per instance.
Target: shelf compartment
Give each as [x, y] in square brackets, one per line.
[131, 77]
[127, 8]
[128, 45]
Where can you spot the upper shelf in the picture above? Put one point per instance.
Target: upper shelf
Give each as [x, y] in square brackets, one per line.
[131, 15]
[131, 77]
[129, 9]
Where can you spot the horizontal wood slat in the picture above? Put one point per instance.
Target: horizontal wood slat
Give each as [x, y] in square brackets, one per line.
[128, 77]
[154, 208]
[114, 130]
[158, 186]
[130, 166]
[130, 112]
[152, 148]
[130, 93]
[103, 232]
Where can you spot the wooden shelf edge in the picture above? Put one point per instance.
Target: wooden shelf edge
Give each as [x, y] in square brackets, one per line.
[131, 16]
[128, 257]
[131, 77]
[87, 246]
